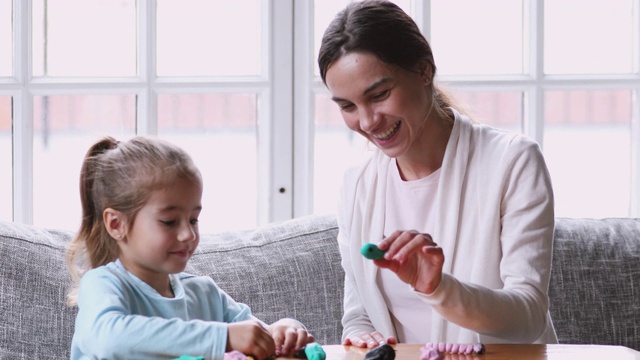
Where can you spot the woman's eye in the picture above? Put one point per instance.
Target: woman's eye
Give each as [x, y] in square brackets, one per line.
[194, 221]
[346, 107]
[168, 222]
[380, 95]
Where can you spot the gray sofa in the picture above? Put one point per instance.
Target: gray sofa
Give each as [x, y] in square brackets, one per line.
[292, 269]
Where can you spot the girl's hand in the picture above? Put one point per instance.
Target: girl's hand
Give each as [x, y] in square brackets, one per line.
[251, 338]
[366, 340]
[289, 336]
[414, 257]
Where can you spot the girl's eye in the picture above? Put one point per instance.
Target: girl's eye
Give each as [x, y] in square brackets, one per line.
[194, 221]
[168, 222]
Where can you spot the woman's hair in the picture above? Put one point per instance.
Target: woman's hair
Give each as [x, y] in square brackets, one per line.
[121, 176]
[381, 28]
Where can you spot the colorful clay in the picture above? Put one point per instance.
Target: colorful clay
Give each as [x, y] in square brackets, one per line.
[371, 251]
[382, 352]
[312, 351]
[431, 351]
[235, 355]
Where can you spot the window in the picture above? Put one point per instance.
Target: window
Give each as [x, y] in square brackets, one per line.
[518, 65]
[165, 68]
[253, 113]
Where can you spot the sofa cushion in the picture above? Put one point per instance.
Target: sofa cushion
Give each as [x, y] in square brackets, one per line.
[595, 281]
[34, 319]
[285, 269]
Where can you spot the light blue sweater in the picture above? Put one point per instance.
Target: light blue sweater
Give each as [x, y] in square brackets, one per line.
[121, 317]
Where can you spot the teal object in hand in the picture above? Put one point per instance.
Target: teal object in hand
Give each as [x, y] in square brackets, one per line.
[371, 251]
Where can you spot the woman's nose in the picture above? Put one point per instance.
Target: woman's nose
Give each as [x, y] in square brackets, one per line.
[368, 119]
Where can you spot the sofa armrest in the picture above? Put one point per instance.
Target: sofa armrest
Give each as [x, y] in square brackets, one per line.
[595, 281]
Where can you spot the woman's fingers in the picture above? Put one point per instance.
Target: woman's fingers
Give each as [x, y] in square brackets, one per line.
[365, 339]
[401, 244]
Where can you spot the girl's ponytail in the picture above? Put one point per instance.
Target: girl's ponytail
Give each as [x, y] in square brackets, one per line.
[92, 240]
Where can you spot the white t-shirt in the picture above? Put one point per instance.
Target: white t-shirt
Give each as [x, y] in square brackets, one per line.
[409, 206]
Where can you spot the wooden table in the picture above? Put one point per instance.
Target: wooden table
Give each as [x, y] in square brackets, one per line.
[501, 352]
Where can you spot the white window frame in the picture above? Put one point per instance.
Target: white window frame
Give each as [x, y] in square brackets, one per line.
[274, 89]
[532, 85]
[286, 92]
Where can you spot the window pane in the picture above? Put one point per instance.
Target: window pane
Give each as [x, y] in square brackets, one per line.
[84, 38]
[476, 41]
[599, 38]
[6, 178]
[587, 142]
[325, 10]
[6, 38]
[336, 148]
[501, 109]
[210, 37]
[219, 132]
[65, 126]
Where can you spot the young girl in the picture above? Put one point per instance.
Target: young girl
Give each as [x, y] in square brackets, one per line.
[140, 202]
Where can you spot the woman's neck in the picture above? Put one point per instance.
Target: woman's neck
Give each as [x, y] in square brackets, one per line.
[427, 152]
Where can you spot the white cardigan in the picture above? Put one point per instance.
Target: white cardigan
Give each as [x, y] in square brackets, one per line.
[495, 223]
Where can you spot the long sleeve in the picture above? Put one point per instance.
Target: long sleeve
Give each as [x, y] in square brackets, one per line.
[498, 254]
[119, 318]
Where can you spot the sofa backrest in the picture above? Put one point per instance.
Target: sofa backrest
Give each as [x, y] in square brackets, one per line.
[595, 281]
[34, 319]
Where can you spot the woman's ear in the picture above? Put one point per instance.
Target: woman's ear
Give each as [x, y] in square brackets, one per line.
[426, 73]
[115, 222]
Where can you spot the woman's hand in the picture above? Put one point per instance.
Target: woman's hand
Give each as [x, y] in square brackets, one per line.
[250, 337]
[366, 340]
[289, 336]
[414, 257]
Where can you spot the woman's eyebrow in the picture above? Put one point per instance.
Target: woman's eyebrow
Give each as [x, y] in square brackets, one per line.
[369, 89]
[376, 84]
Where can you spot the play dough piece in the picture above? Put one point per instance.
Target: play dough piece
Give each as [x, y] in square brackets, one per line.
[382, 352]
[431, 354]
[235, 355]
[312, 351]
[429, 349]
[371, 251]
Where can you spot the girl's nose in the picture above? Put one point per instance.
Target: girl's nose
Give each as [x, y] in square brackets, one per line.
[187, 233]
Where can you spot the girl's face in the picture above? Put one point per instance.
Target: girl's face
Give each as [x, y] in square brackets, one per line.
[164, 234]
[384, 103]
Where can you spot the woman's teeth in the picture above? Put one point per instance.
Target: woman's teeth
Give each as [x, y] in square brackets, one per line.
[387, 133]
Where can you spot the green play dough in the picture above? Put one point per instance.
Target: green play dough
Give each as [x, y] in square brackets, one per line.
[371, 251]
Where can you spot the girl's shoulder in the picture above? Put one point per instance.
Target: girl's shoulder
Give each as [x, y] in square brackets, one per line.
[197, 283]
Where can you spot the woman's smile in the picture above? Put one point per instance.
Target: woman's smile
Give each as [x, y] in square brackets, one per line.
[388, 133]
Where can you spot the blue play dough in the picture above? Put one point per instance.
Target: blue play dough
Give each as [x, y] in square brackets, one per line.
[371, 251]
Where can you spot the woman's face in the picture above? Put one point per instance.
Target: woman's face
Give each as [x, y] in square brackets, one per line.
[384, 103]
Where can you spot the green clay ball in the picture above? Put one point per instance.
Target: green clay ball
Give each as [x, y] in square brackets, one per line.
[314, 351]
[371, 251]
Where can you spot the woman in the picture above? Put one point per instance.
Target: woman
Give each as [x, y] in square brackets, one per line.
[464, 212]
